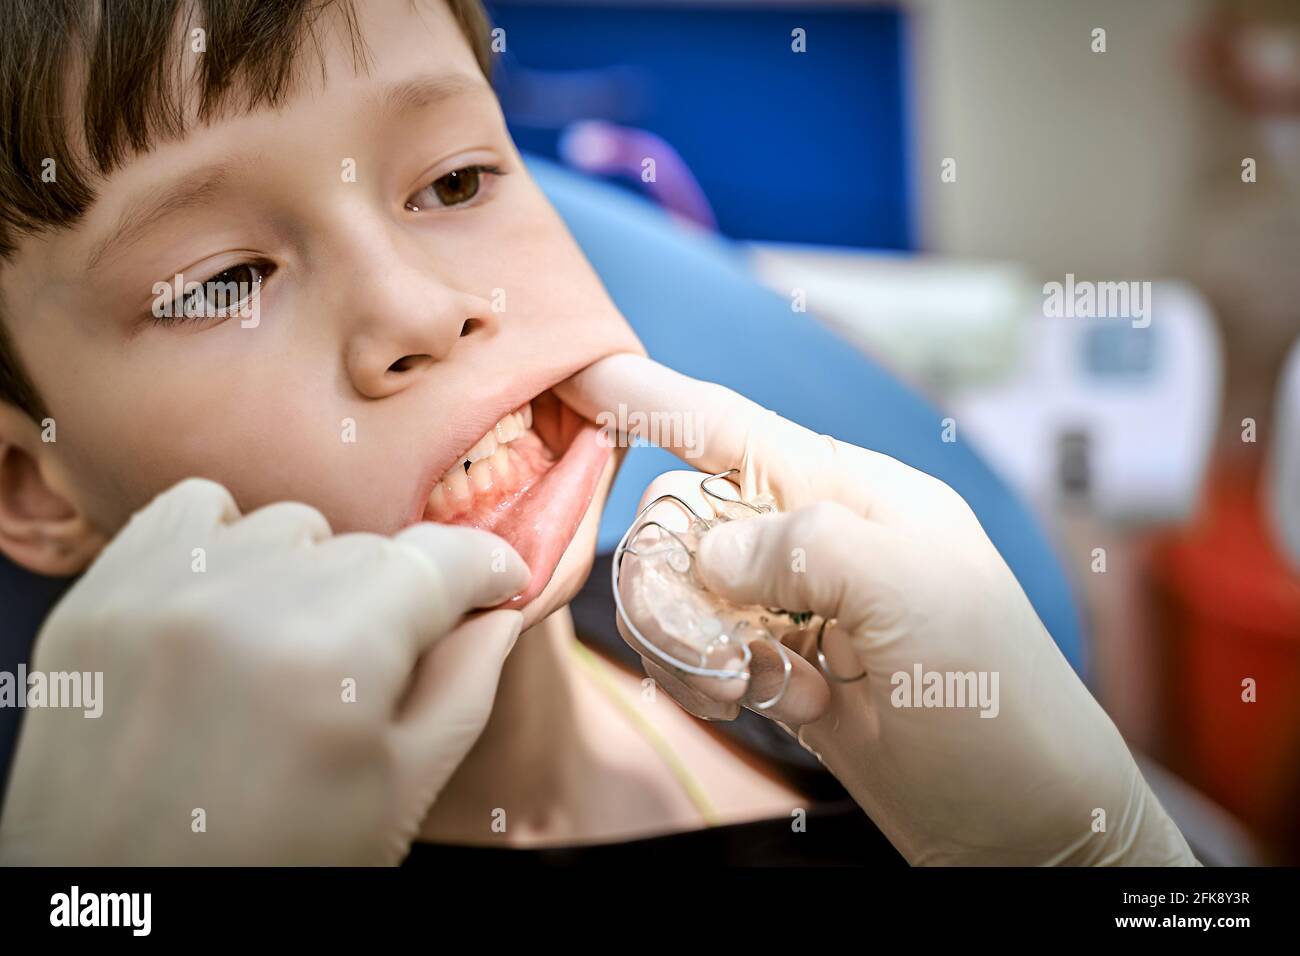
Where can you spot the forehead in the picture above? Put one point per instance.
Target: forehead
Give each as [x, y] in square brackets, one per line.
[109, 90]
[362, 57]
[357, 49]
[368, 54]
[400, 38]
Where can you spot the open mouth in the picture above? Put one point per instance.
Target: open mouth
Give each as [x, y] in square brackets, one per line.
[529, 479]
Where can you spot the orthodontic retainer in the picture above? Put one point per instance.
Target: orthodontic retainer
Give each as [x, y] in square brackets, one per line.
[702, 629]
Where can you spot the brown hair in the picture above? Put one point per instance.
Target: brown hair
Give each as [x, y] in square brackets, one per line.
[127, 58]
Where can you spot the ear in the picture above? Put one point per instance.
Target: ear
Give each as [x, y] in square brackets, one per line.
[40, 526]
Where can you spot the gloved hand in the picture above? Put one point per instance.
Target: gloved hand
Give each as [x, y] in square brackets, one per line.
[901, 564]
[304, 697]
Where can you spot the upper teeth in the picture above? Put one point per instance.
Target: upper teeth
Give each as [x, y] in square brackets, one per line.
[507, 430]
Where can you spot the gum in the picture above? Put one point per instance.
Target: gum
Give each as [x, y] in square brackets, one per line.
[529, 459]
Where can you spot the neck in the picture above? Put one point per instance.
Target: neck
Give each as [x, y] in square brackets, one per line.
[566, 766]
[530, 751]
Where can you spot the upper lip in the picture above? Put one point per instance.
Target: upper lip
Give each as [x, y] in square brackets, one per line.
[483, 416]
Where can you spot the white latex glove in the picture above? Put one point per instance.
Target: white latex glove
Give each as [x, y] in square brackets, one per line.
[226, 691]
[900, 562]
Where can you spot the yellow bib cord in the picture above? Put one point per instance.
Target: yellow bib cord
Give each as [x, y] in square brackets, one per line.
[597, 669]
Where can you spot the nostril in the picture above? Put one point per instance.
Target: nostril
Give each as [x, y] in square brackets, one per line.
[471, 325]
[407, 362]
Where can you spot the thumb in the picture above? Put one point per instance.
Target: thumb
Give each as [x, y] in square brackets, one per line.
[822, 558]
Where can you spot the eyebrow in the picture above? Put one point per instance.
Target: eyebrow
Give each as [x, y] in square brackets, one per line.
[191, 190]
[424, 91]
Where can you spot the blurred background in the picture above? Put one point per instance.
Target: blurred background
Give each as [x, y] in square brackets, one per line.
[911, 179]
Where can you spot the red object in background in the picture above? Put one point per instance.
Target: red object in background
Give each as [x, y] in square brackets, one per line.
[1231, 611]
[1252, 60]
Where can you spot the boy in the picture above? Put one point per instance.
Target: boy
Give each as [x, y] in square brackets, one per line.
[290, 247]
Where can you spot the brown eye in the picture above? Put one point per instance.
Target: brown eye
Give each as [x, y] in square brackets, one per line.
[225, 292]
[454, 189]
[458, 186]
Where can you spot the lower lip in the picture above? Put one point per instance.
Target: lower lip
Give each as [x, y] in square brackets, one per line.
[541, 520]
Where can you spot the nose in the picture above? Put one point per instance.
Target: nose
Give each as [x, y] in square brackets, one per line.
[404, 322]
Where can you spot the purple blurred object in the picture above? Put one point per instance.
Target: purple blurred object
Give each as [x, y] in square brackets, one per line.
[604, 149]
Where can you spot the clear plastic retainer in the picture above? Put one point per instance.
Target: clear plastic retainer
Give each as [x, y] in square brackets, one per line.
[701, 633]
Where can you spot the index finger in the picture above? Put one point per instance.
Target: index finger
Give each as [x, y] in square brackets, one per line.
[714, 429]
[702, 423]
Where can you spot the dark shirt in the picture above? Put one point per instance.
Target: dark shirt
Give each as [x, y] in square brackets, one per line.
[25, 600]
[834, 834]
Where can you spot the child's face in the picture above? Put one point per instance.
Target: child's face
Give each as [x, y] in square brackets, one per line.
[397, 321]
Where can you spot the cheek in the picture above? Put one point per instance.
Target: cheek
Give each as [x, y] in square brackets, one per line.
[548, 280]
[265, 434]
